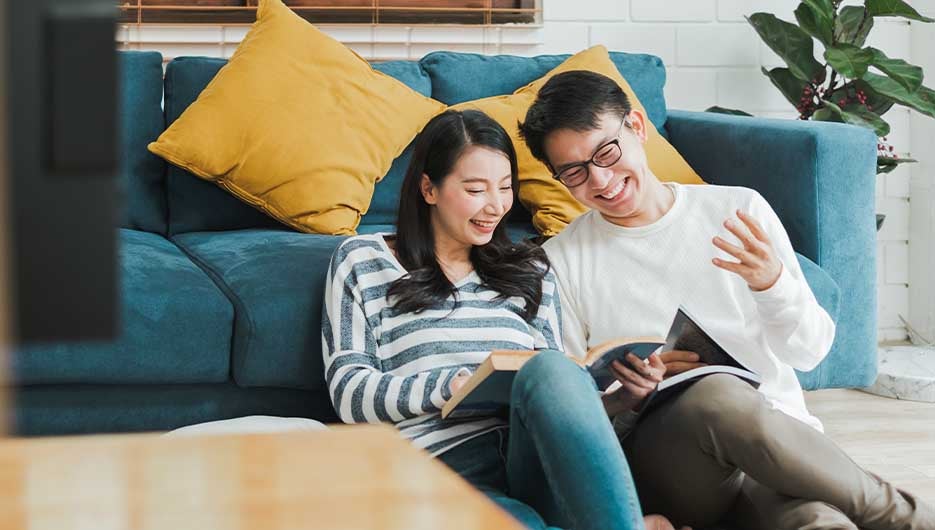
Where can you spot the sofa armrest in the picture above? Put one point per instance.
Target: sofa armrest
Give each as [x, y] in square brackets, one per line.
[820, 179]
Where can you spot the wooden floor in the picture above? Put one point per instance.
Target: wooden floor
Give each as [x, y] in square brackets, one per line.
[893, 438]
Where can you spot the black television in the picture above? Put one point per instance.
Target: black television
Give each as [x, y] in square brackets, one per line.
[60, 87]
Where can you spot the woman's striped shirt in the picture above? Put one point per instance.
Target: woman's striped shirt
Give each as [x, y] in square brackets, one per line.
[382, 365]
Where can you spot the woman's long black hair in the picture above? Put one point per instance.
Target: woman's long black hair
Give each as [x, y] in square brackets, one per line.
[511, 269]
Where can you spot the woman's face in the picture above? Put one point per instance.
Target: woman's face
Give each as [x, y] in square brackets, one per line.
[472, 199]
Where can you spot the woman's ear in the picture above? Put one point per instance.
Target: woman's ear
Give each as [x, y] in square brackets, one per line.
[638, 123]
[428, 189]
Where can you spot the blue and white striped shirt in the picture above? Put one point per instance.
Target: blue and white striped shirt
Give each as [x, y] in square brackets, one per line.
[382, 365]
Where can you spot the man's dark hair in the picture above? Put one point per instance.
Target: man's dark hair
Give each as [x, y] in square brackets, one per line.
[571, 100]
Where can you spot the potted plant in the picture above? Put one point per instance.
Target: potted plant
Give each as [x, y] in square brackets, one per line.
[855, 83]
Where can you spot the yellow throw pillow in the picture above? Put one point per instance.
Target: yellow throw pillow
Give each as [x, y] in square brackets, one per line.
[552, 206]
[297, 125]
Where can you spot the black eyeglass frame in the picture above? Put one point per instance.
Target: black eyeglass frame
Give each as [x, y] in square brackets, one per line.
[615, 142]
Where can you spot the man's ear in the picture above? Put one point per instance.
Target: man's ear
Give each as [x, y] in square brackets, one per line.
[638, 123]
[429, 192]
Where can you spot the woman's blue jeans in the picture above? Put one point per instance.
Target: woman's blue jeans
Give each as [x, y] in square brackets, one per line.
[560, 463]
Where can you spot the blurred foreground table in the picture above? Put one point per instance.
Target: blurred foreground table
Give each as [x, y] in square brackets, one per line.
[357, 477]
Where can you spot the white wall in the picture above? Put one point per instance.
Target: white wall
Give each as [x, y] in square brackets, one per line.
[713, 57]
[922, 189]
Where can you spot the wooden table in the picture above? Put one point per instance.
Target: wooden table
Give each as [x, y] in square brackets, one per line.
[357, 477]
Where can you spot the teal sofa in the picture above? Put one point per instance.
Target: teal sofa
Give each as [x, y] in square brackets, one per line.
[221, 304]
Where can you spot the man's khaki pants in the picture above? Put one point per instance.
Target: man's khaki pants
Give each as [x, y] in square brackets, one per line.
[720, 452]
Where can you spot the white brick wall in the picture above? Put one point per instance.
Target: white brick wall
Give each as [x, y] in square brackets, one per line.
[712, 57]
[922, 188]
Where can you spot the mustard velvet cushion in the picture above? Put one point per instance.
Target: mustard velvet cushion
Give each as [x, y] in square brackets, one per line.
[297, 125]
[552, 206]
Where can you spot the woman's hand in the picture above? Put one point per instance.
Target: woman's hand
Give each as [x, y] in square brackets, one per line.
[637, 381]
[457, 382]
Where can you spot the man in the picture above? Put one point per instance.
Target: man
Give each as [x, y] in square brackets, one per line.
[721, 449]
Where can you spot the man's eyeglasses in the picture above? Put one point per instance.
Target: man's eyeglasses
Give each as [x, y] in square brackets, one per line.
[605, 156]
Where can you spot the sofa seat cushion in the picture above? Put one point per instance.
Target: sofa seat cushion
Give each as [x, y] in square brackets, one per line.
[176, 326]
[275, 280]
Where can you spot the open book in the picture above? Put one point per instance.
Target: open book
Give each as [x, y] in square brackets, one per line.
[686, 334]
[487, 392]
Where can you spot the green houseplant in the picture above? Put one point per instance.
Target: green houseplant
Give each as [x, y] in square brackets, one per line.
[854, 83]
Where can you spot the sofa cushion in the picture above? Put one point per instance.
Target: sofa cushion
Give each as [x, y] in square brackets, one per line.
[386, 195]
[176, 326]
[459, 77]
[828, 294]
[297, 125]
[142, 174]
[275, 279]
[199, 205]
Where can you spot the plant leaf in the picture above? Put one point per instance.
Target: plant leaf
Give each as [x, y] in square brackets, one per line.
[824, 7]
[886, 164]
[895, 8]
[848, 23]
[877, 103]
[789, 85]
[872, 121]
[862, 118]
[907, 75]
[849, 60]
[816, 21]
[825, 114]
[721, 110]
[791, 43]
[922, 100]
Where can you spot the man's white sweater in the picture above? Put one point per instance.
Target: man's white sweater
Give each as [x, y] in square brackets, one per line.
[617, 282]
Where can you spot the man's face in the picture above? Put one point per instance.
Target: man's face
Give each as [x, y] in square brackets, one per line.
[619, 191]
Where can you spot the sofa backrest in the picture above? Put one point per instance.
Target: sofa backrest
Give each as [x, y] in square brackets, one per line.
[142, 178]
[166, 199]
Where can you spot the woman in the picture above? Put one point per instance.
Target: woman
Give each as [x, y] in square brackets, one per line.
[407, 317]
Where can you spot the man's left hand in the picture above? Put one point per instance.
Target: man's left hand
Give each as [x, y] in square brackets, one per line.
[678, 361]
[758, 266]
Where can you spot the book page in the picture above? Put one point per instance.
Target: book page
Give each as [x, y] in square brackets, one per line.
[685, 334]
